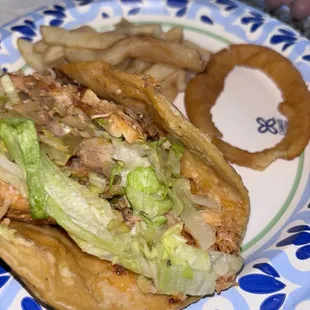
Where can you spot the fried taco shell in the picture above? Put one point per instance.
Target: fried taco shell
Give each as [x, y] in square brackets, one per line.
[58, 273]
[75, 280]
[107, 82]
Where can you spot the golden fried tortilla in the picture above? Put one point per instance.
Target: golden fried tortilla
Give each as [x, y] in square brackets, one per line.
[58, 273]
[107, 82]
[75, 280]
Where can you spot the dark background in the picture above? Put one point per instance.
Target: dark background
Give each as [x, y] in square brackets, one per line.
[283, 14]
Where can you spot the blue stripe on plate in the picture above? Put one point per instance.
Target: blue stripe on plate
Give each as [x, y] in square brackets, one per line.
[9, 293]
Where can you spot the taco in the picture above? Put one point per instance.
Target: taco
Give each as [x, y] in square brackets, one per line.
[113, 206]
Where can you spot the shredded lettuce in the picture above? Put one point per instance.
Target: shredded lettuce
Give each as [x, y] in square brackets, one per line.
[185, 268]
[59, 157]
[163, 256]
[97, 181]
[144, 180]
[59, 149]
[132, 155]
[225, 264]
[162, 155]
[174, 279]
[8, 133]
[145, 193]
[21, 139]
[148, 204]
[10, 90]
[12, 174]
[53, 141]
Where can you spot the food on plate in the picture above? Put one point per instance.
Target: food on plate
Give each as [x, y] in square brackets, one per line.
[203, 91]
[152, 201]
[137, 49]
[76, 280]
[40, 55]
[57, 36]
[145, 48]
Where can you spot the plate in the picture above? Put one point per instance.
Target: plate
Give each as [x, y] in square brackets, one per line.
[277, 243]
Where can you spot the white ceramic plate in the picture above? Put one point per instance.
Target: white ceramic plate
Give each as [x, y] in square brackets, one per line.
[277, 244]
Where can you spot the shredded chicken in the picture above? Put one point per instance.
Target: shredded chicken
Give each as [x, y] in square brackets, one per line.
[64, 108]
[9, 193]
[15, 206]
[77, 168]
[213, 218]
[96, 153]
[118, 122]
[4, 208]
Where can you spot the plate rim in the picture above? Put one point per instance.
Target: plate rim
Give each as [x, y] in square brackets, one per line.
[69, 4]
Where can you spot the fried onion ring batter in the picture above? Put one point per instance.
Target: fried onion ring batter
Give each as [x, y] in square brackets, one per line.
[203, 91]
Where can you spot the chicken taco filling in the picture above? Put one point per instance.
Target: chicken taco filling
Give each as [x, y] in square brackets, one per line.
[123, 188]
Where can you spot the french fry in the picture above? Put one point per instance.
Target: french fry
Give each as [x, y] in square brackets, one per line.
[33, 59]
[40, 47]
[124, 66]
[173, 35]
[160, 71]
[168, 88]
[82, 54]
[123, 23]
[154, 50]
[84, 29]
[136, 49]
[205, 54]
[153, 30]
[138, 66]
[53, 54]
[181, 81]
[92, 40]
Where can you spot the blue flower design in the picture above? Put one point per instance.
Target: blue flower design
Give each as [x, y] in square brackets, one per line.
[134, 11]
[58, 13]
[28, 29]
[131, 1]
[177, 3]
[105, 15]
[267, 269]
[3, 70]
[266, 125]
[229, 5]
[282, 126]
[256, 20]
[180, 5]
[286, 36]
[266, 283]
[29, 303]
[4, 273]
[84, 2]
[273, 302]
[306, 57]
[301, 237]
[206, 19]
[136, 6]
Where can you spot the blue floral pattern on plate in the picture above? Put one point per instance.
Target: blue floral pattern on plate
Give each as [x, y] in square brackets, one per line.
[29, 303]
[4, 273]
[285, 37]
[58, 12]
[256, 20]
[228, 4]
[269, 279]
[265, 284]
[301, 237]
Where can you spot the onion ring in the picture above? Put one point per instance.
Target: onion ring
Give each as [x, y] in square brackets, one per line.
[203, 91]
